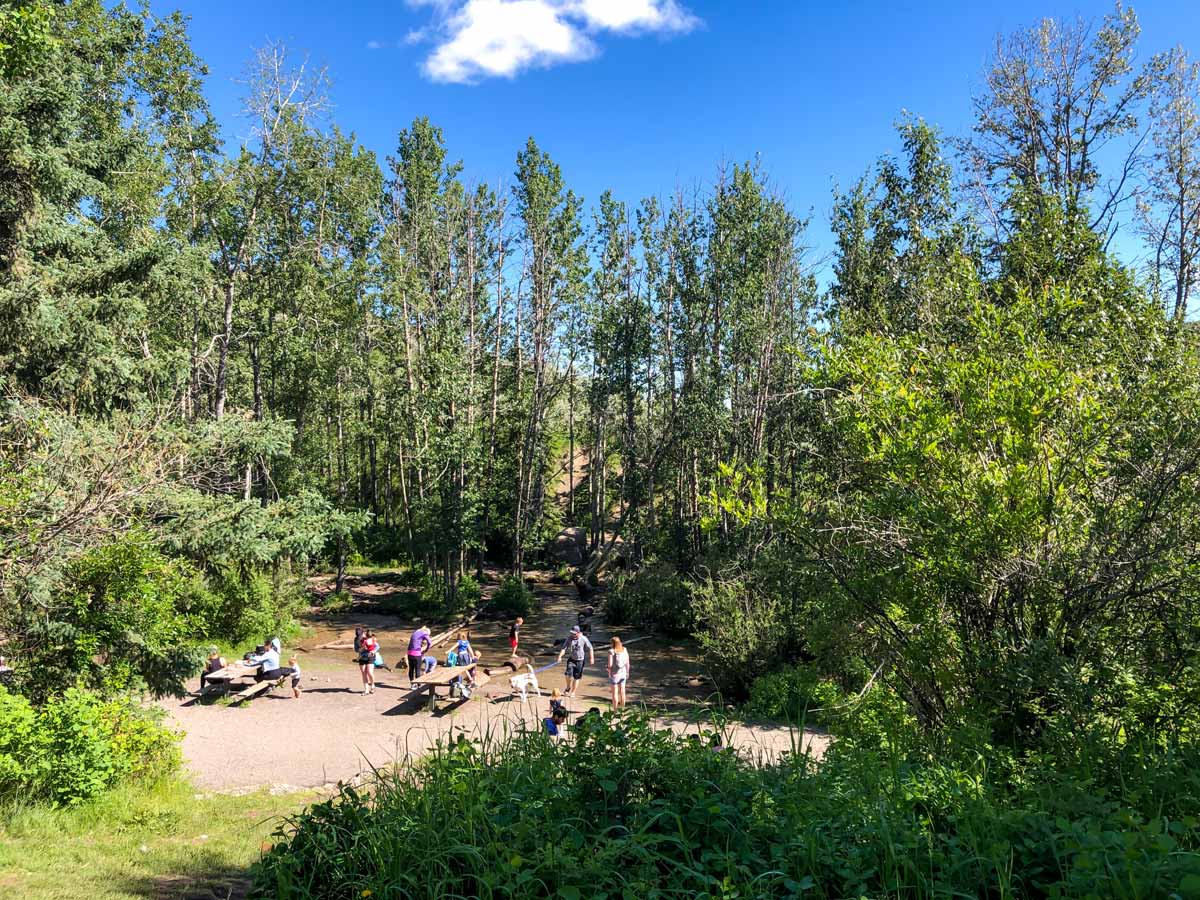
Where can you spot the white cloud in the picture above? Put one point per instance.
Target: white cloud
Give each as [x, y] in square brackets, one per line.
[636, 15]
[487, 38]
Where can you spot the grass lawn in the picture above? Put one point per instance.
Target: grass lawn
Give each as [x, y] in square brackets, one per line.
[166, 840]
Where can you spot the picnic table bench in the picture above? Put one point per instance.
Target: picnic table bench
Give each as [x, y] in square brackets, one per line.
[443, 677]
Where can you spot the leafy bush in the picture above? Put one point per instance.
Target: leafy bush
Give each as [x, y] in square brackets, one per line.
[78, 745]
[743, 633]
[122, 624]
[795, 694]
[469, 591]
[623, 810]
[654, 596]
[244, 606]
[513, 598]
[973, 489]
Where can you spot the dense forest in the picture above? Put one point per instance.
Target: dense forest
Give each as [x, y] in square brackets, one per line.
[949, 494]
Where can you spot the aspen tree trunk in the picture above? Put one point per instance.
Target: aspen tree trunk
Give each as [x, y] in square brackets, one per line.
[571, 439]
[223, 354]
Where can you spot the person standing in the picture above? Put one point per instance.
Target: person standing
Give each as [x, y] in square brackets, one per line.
[418, 645]
[618, 671]
[294, 665]
[576, 648]
[514, 634]
[366, 661]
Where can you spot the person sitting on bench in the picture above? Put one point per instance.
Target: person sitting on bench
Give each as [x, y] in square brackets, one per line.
[215, 663]
[266, 657]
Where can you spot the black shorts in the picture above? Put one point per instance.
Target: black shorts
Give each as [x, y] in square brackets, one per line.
[575, 668]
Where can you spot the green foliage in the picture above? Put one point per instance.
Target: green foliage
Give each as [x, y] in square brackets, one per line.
[78, 745]
[796, 694]
[123, 626]
[1007, 505]
[220, 532]
[25, 36]
[243, 607]
[654, 596]
[513, 598]
[468, 591]
[623, 810]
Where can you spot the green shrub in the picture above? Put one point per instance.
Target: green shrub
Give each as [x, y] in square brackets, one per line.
[655, 596]
[513, 598]
[78, 745]
[744, 633]
[121, 624]
[622, 810]
[246, 606]
[794, 694]
[469, 592]
[18, 730]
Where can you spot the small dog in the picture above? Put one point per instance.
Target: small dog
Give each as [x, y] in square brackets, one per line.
[522, 683]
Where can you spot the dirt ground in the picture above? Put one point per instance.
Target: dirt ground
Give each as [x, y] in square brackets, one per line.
[334, 733]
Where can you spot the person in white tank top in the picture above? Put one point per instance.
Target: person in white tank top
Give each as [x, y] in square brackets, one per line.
[618, 671]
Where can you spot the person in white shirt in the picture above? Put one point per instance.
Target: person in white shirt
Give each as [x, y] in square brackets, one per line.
[618, 671]
[267, 657]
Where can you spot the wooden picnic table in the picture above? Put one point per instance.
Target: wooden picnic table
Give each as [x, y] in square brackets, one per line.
[441, 676]
[238, 670]
[232, 672]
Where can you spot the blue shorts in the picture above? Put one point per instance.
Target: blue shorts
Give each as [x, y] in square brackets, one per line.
[575, 668]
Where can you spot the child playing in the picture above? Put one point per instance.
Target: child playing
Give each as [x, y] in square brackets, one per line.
[465, 653]
[295, 667]
[556, 701]
[556, 723]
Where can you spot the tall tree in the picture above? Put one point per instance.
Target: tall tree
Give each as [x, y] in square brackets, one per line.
[1170, 213]
[1058, 99]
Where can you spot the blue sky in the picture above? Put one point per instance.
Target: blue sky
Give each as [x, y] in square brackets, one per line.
[641, 95]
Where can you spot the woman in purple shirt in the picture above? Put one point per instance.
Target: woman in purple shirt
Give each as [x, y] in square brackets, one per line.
[417, 645]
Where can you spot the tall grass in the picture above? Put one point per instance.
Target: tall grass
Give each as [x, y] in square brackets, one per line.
[624, 810]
